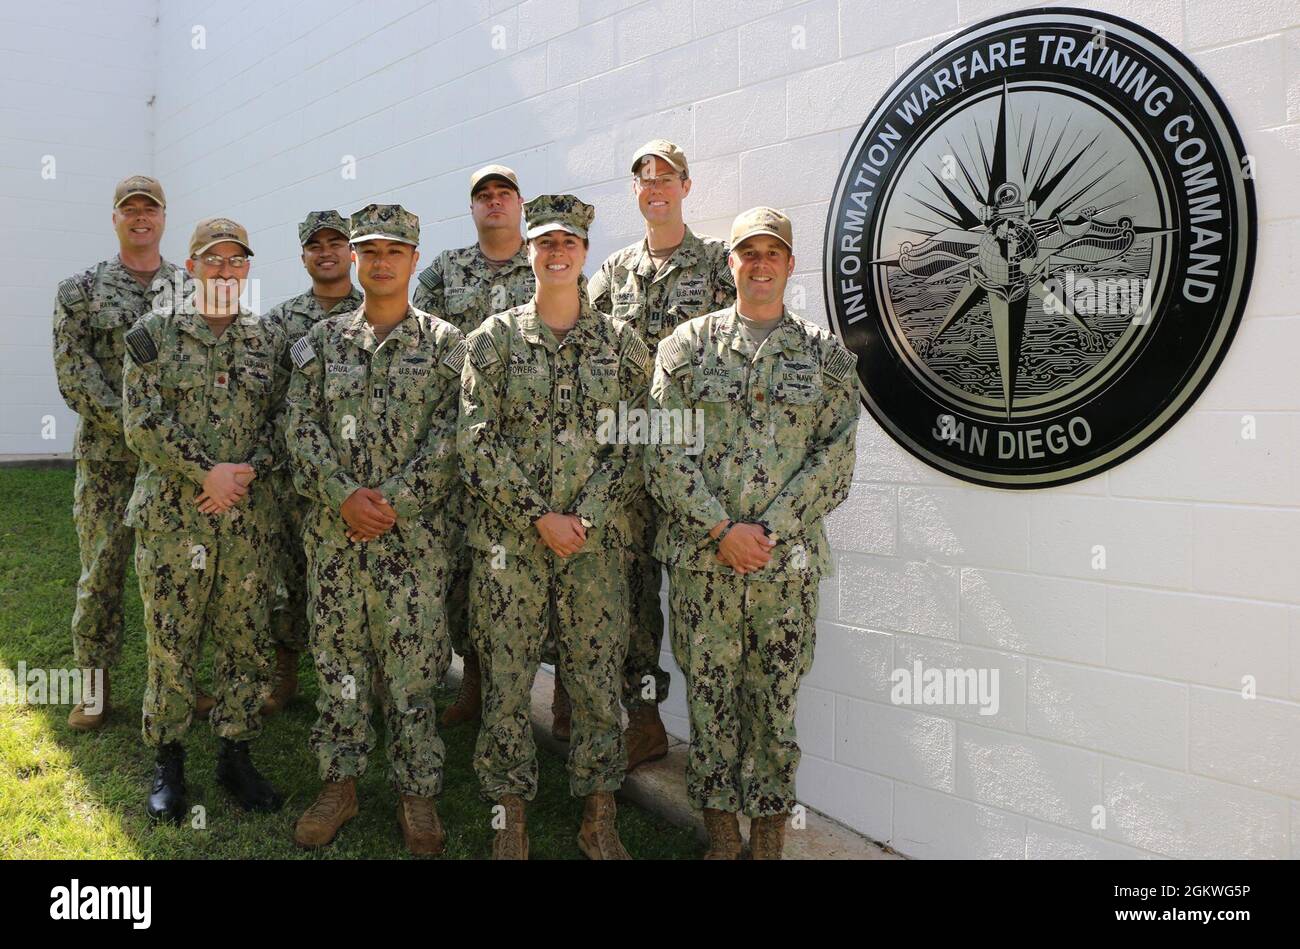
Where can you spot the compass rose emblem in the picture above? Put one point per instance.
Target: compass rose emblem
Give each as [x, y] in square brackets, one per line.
[1039, 246]
[1007, 244]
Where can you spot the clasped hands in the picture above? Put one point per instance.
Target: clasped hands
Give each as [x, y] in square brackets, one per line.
[368, 514]
[563, 533]
[224, 487]
[745, 548]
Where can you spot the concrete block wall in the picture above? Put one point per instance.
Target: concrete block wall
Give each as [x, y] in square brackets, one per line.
[75, 82]
[1120, 687]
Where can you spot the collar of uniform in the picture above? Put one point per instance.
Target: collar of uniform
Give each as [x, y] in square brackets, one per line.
[786, 336]
[192, 322]
[584, 333]
[360, 333]
[480, 266]
[687, 253]
[308, 302]
[116, 275]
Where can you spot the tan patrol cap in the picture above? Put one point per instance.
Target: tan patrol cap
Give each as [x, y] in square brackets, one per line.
[213, 230]
[664, 149]
[139, 184]
[757, 221]
[488, 172]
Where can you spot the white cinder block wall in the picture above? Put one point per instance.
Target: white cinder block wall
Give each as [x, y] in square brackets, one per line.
[75, 82]
[1120, 687]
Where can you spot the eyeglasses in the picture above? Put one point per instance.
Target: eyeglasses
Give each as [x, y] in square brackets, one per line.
[661, 181]
[237, 262]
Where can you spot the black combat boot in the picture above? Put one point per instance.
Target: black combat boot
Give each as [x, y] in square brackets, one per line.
[167, 800]
[235, 773]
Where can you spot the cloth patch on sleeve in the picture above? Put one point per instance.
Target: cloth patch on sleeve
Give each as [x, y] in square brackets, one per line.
[429, 279]
[673, 354]
[70, 293]
[143, 349]
[636, 351]
[839, 365]
[455, 359]
[301, 352]
[481, 351]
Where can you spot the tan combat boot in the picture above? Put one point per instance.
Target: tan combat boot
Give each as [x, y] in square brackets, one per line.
[81, 719]
[767, 837]
[598, 835]
[468, 706]
[645, 737]
[511, 841]
[334, 806]
[203, 704]
[724, 835]
[421, 829]
[561, 711]
[286, 681]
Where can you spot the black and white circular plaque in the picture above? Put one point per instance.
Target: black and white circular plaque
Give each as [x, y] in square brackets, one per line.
[1039, 246]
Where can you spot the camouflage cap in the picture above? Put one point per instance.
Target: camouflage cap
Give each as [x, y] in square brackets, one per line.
[488, 173]
[213, 230]
[557, 212]
[139, 184]
[318, 221]
[664, 149]
[389, 222]
[757, 221]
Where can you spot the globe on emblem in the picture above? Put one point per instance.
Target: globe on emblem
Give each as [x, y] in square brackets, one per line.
[1002, 251]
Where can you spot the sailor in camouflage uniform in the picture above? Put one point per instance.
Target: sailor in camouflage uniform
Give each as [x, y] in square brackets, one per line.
[742, 530]
[92, 313]
[327, 256]
[550, 475]
[662, 280]
[464, 287]
[371, 430]
[202, 385]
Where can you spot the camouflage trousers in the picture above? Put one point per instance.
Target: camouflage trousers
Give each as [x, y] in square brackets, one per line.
[743, 645]
[195, 586]
[379, 631]
[289, 609]
[644, 680]
[582, 601]
[458, 602]
[99, 501]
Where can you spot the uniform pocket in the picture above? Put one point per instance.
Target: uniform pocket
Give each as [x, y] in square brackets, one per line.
[460, 303]
[711, 383]
[107, 326]
[111, 318]
[185, 379]
[344, 383]
[599, 379]
[796, 382]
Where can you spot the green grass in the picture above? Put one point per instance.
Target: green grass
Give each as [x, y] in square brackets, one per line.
[65, 794]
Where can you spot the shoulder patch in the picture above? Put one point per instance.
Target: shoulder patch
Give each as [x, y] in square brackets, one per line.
[143, 349]
[71, 294]
[673, 354]
[636, 351]
[301, 352]
[455, 360]
[482, 353]
[839, 365]
[429, 278]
